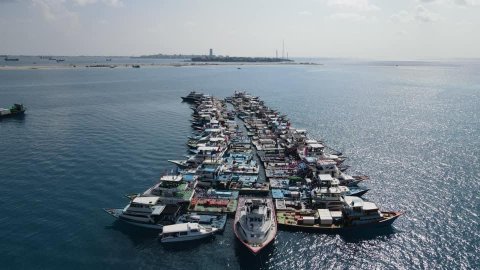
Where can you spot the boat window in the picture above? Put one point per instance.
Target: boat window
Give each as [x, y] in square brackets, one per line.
[194, 230]
[183, 233]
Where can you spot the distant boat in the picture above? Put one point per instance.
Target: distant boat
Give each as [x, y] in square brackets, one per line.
[60, 60]
[135, 66]
[192, 97]
[108, 59]
[16, 109]
[10, 59]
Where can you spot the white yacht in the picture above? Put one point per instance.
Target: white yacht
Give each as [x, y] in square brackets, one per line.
[185, 232]
[255, 223]
[147, 212]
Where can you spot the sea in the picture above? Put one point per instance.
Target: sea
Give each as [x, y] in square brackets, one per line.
[92, 135]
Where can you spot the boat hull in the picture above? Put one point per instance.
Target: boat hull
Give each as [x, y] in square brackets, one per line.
[236, 228]
[117, 213]
[11, 115]
[335, 229]
[187, 238]
[358, 192]
[180, 163]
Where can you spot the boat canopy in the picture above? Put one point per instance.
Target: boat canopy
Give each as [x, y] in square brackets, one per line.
[369, 206]
[336, 214]
[182, 227]
[172, 178]
[316, 145]
[325, 177]
[217, 139]
[211, 130]
[157, 210]
[326, 162]
[330, 190]
[207, 148]
[354, 201]
[150, 200]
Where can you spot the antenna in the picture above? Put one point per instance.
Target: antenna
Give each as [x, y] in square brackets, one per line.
[276, 53]
[283, 48]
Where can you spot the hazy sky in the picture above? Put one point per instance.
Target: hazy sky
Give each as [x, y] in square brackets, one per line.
[387, 29]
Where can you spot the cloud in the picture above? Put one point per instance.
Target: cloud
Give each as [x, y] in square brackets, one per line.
[304, 13]
[84, 2]
[455, 2]
[347, 16]
[402, 16]
[55, 10]
[465, 23]
[113, 3]
[467, 2]
[424, 15]
[420, 13]
[357, 5]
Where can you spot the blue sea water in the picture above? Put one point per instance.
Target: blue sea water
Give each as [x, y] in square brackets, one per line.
[90, 136]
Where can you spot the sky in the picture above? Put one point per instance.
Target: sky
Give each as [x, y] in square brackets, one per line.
[372, 29]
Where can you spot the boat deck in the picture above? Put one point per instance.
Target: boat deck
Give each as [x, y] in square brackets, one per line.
[205, 205]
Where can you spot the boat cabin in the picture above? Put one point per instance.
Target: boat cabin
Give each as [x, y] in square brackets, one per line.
[360, 212]
[327, 166]
[142, 204]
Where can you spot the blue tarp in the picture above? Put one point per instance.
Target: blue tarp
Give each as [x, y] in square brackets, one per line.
[277, 194]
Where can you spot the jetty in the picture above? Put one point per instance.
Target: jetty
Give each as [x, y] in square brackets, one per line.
[240, 149]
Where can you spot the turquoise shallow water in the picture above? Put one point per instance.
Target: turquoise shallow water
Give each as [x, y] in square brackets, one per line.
[91, 136]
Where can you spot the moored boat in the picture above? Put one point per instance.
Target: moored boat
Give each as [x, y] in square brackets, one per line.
[185, 232]
[10, 59]
[206, 220]
[255, 223]
[356, 214]
[147, 212]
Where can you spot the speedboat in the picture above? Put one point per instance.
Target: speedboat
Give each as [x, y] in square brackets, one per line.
[185, 232]
[255, 223]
